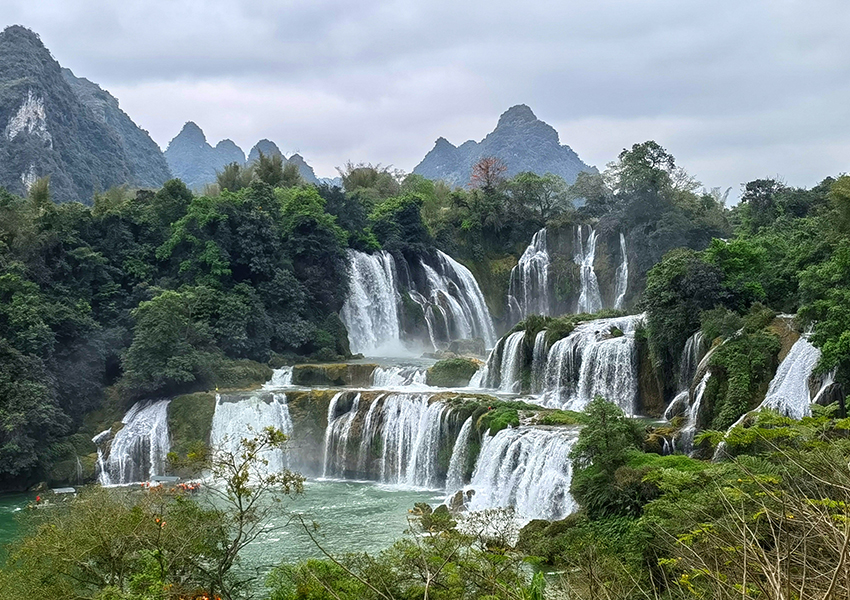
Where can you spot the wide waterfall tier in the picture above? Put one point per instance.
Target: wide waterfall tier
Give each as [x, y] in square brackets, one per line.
[394, 438]
[138, 451]
[451, 303]
[528, 293]
[239, 418]
[599, 358]
[540, 270]
[528, 469]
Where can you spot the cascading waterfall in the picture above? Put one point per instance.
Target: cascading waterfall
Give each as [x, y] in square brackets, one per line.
[691, 362]
[511, 367]
[528, 469]
[393, 377]
[788, 392]
[370, 312]
[528, 292]
[538, 362]
[245, 417]
[692, 354]
[453, 288]
[452, 303]
[280, 378]
[337, 435]
[686, 436]
[597, 359]
[399, 441]
[460, 455]
[459, 315]
[410, 440]
[138, 450]
[590, 299]
[622, 278]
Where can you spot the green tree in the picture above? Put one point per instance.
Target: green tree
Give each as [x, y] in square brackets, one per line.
[269, 169]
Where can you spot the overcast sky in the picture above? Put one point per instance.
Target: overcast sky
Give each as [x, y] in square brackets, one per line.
[734, 89]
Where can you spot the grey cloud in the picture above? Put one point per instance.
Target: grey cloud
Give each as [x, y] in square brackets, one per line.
[728, 86]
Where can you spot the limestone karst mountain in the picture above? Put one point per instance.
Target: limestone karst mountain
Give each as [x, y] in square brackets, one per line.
[521, 140]
[145, 156]
[192, 159]
[196, 162]
[52, 123]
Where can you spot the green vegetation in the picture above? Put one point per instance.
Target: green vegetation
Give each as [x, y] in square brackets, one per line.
[452, 372]
[153, 544]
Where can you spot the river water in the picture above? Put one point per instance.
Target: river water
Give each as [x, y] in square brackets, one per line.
[352, 516]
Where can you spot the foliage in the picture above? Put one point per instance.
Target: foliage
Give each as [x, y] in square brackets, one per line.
[156, 543]
[436, 561]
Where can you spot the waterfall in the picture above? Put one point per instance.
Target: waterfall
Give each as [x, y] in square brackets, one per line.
[678, 405]
[280, 378]
[538, 363]
[394, 377]
[437, 330]
[410, 440]
[622, 278]
[528, 469]
[246, 417]
[479, 379]
[692, 354]
[511, 369]
[337, 436]
[590, 299]
[138, 450]
[457, 462]
[597, 359]
[528, 292]
[456, 286]
[789, 392]
[399, 441]
[452, 303]
[370, 312]
[686, 437]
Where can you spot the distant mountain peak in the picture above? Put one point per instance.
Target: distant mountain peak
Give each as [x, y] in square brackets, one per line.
[521, 140]
[267, 147]
[191, 132]
[520, 113]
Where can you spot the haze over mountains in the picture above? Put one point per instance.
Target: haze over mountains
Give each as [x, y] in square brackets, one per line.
[55, 123]
[195, 161]
[521, 140]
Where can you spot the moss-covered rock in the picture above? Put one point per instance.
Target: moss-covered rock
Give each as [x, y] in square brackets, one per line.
[189, 422]
[453, 372]
[242, 374]
[339, 374]
[650, 389]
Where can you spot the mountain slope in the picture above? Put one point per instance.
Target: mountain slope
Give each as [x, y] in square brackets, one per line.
[66, 129]
[520, 140]
[145, 157]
